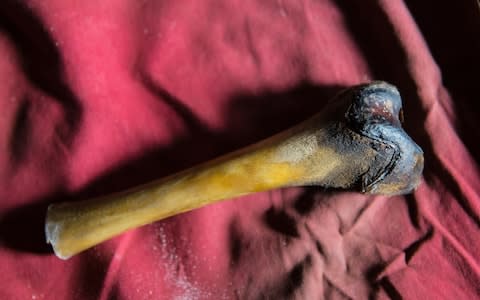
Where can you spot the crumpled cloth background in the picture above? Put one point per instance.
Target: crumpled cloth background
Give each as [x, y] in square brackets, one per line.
[98, 96]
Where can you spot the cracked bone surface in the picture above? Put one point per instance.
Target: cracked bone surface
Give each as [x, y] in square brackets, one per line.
[355, 143]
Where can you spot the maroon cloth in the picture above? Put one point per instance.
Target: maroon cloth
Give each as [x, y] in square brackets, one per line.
[98, 96]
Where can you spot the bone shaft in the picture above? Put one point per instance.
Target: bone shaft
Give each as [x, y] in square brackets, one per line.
[76, 226]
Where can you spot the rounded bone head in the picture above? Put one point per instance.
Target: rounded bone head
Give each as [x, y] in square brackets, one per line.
[377, 102]
[376, 112]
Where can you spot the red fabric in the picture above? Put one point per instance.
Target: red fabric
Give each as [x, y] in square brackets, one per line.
[98, 96]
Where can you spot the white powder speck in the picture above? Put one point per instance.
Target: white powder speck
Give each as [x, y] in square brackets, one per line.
[187, 290]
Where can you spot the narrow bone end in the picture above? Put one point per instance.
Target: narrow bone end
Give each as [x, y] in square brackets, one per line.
[52, 232]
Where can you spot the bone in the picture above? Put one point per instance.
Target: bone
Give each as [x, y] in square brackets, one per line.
[355, 143]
